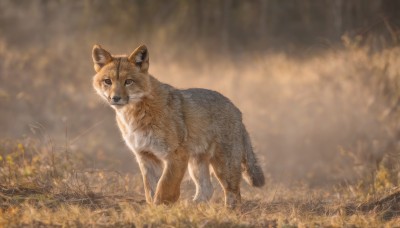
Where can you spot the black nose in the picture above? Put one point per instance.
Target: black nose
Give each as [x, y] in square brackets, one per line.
[116, 98]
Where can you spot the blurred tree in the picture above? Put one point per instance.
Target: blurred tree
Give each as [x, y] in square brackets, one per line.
[223, 24]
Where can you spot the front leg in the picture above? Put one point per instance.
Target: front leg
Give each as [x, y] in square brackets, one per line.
[151, 168]
[168, 188]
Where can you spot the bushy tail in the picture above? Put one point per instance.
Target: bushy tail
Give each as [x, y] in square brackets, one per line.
[251, 171]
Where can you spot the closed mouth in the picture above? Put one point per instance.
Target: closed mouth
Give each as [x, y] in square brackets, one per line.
[117, 104]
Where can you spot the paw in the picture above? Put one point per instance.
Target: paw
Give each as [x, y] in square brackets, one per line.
[165, 198]
[204, 196]
[232, 200]
[201, 199]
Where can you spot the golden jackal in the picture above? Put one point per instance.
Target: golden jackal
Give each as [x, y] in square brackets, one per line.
[168, 128]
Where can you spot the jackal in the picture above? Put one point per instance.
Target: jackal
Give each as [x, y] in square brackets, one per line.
[167, 129]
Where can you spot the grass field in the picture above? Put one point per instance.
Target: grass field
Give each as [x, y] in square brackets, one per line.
[324, 124]
[322, 109]
[39, 188]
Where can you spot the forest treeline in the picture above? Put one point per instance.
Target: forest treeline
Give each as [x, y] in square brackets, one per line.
[225, 24]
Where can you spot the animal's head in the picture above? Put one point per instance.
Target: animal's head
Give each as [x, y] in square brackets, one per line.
[121, 80]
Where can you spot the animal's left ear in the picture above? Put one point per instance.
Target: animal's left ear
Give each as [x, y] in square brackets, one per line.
[140, 57]
[100, 57]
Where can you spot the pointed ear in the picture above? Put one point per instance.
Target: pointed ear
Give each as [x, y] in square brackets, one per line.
[140, 57]
[100, 57]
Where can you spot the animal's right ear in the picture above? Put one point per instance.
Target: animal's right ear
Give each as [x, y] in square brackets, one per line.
[100, 57]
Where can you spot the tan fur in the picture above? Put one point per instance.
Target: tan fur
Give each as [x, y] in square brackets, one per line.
[167, 129]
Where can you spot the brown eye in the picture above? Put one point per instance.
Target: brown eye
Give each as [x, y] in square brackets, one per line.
[128, 82]
[107, 81]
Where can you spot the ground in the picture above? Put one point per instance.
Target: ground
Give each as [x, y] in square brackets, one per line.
[39, 189]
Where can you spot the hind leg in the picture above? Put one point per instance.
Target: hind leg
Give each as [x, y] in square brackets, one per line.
[200, 173]
[227, 169]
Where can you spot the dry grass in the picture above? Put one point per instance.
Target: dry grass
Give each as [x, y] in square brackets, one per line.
[325, 122]
[39, 188]
[325, 127]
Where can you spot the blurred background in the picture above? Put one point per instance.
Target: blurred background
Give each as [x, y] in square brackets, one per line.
[317, 80]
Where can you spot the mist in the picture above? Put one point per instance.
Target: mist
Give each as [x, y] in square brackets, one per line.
[317, 81]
